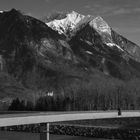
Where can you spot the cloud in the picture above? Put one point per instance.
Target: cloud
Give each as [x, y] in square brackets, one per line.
[87, 6]
[120, 11]
[98, 9]
[123, 11]
[131, 30]
[117, 7]
[137, 9]
[127, 29]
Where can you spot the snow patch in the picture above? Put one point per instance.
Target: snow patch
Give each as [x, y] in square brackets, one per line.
[89, 52]
[86, 41]
[113, 44]
[89, 43]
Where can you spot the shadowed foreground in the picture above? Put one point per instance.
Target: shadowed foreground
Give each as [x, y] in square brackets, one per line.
[31, 136]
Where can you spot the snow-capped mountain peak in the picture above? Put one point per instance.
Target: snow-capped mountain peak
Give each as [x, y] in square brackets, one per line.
[66, 24]
[74, 21]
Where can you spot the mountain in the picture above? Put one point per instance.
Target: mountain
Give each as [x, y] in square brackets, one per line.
[92, 38]
[70, 55]
[35, 55]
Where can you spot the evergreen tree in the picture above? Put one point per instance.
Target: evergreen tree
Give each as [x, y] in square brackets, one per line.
[15, 105]
[29, 106]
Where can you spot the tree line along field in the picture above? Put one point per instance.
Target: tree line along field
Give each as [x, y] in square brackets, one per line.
[126, 97]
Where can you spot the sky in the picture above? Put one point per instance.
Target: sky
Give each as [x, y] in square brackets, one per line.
[122, 15]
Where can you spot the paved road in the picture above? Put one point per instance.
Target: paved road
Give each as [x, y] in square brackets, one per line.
[42, 117]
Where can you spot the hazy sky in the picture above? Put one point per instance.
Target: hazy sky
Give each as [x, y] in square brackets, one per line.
[122, 15]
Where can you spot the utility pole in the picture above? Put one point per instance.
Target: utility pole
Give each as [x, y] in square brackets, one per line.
[119, 106]
[44, 135]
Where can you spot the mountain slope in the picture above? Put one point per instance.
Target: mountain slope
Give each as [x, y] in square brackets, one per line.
[108, 35]
[83, 51]
[92, 36]
[29, 49]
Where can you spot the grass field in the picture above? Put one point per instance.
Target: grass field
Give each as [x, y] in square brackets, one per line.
[133, 123]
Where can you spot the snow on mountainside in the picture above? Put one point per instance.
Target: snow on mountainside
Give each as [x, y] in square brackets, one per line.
[100, 25]
[68, 23]
[74, 21]
[114, 45]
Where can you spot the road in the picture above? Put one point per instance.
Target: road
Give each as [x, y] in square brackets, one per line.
[43, 117]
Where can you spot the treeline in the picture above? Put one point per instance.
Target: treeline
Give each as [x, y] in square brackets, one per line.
[42, 104]
[79, 103]
[21, 105]
[104, 96]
